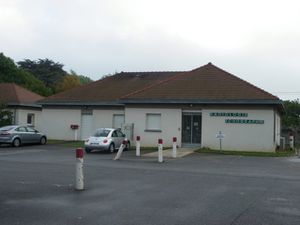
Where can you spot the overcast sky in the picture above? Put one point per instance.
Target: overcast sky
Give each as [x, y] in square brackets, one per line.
[257, 40]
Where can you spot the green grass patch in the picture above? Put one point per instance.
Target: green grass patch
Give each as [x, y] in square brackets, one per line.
[247, 153]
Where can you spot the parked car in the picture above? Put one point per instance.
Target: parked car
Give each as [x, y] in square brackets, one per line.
[18, 135]
[108, 139]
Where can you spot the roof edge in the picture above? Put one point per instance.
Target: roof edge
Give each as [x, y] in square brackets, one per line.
[204, 101]
[79, 103]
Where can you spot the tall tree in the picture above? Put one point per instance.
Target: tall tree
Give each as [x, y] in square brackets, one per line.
[46, 70]
[82, 79]
[291, 118]
[5, 115]
[69, 82]
[10, 73]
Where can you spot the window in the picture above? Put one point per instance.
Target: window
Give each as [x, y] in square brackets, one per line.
[21, 129]
[153, 122]
[30, 118]
[118, 120]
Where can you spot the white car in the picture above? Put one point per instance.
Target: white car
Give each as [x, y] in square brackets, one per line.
[108, 139]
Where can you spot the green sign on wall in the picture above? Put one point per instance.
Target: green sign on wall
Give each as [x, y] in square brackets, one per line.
[227, 114]
[244, 121]
[236, 114]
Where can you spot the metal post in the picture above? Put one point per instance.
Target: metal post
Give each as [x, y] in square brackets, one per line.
[220, 144]
[160, 150]
[79, 179]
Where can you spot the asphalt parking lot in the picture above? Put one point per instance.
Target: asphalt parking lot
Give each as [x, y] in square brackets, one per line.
[37, 188]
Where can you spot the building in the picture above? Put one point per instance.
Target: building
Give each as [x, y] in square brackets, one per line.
[193, 106]
[22, 103]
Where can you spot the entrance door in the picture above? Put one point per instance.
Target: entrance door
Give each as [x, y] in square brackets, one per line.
[86, 126]
[191, 129]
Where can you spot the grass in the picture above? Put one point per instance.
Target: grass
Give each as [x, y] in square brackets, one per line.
[248, 153]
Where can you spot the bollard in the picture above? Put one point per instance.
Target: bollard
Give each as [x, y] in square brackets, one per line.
[121, 148]
[174, 152]
[138, 146]
[160, 150]
[291, 140]
[79, 179]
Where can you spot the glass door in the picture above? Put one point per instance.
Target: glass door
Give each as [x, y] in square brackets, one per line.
[191, 129]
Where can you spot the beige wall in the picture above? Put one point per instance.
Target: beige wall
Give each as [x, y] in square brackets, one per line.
[170, 125]
[251, 137]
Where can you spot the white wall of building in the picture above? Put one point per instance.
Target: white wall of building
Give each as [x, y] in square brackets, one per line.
[277, 128]
[104, 118]
[246, 137]
[21, 117]
[56, 122]
[170, 125]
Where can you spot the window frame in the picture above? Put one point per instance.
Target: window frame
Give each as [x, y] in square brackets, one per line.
[150, 128]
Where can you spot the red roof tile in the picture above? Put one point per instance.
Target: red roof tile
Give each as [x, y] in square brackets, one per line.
[109, 89]
[207, 83]
[12, 93]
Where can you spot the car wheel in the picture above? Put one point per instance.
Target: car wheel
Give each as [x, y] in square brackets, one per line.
[111, 148]
[87, 150]
[127, 147]
[43, 141]
[16, 142]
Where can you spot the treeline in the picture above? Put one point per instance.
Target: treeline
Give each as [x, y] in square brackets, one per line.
[42, 76]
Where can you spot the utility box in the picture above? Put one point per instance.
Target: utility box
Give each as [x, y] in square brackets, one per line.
[127, 129]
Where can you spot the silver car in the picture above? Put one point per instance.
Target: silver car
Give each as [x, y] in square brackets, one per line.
[18, 135]
[106, 139]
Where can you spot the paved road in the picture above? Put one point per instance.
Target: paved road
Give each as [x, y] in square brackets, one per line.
[37, 188]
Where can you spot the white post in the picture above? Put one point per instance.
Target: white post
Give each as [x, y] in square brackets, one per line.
[291, 141]
[76, 136]
[160, 150]
[121, 148]
[138, 146]
[174, 152]
[79, 179]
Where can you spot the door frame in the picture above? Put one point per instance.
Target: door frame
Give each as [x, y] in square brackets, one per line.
[191, 113]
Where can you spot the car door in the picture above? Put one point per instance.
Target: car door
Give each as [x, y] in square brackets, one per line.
[120, 136]
[22, 133]
[33, 135]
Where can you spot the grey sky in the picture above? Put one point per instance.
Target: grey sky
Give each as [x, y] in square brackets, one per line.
[257, 40]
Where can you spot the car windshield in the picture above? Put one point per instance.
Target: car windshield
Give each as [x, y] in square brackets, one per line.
[7, 128]
[101, 133]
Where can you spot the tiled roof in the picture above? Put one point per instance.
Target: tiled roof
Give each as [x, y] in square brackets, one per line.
[109, 89]
[11, 93]
[207, 83]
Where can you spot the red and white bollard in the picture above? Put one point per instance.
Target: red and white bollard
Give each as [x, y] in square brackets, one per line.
[121, 148]
[291, 140]
[174, 152]
[79, 179]
[160, 150]
[138, 146]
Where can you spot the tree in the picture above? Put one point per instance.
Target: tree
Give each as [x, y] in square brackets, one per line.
[46, 70]
[82, 79]
[291, 118]
[5, 116]
[69, 82]
[10, 73]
